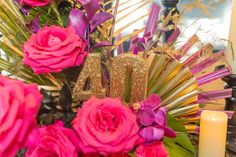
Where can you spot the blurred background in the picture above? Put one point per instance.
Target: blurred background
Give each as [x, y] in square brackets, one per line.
[213, 28]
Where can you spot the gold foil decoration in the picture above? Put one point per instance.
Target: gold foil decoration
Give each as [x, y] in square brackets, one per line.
[91, 71]
[128, 70]
[207, 50]
[174, 17]
[199, 5]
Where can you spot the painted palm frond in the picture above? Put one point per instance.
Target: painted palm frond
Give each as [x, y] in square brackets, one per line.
[178, 80]
[127, 16]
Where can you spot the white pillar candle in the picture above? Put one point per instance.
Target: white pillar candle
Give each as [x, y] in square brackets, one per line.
[213, 130]
[231, 55]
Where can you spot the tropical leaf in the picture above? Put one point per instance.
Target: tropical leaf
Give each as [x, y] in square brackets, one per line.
[181, 146]
[54, 14]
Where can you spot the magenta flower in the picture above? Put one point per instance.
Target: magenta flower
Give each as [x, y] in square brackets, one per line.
[53, 140]
[53, 49]
[19, 104]
[155, 149]
[35, 3]
[106, 126]
[152, 119]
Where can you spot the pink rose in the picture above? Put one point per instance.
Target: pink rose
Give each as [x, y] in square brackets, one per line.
[98, 155]
[36, 3]
[118, 155]
[19, 104]
[106, 126]
[53, 140]
[53, 49]
[155, 149]
[90, 155]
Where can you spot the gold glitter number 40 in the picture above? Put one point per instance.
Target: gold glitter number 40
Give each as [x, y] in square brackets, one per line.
[128, 78]
[92, 72]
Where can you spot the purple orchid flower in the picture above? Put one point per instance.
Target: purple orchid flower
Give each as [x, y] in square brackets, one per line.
[152, 119]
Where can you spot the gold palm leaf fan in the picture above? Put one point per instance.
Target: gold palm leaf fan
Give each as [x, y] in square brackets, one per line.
[179, 83]
[174, 75]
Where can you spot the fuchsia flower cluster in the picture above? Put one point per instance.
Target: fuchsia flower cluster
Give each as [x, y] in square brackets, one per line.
[101, 126]
[152, 119]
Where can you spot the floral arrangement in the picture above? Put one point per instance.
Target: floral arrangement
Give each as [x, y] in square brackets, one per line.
[65, 93]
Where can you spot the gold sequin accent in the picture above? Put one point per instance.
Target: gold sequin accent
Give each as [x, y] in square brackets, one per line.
[128, 70]
[92, 71]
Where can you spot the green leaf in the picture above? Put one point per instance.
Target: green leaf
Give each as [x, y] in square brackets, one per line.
[131, 154]
[180, 146]
[47, 15]
[64, 9]
[174, 124]
[21, 153]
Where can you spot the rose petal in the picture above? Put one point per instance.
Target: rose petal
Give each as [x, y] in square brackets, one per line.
[154, 149]
[36, 3]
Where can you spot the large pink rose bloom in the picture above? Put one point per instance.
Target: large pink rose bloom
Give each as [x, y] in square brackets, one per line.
[19, 104]
[155, 149]
[53, 49]
[53, 141]
[36, 3]
[106, 126]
